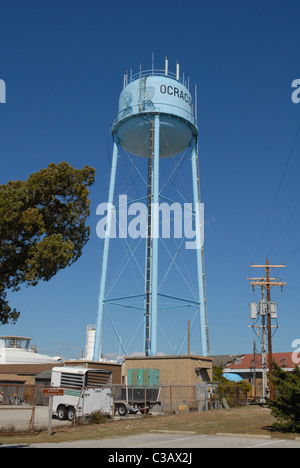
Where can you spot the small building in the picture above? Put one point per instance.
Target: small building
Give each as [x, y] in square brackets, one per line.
[22, 374]
[20, 362]
[251, 370]
[181, 370]
[18, 381]
[176, 375]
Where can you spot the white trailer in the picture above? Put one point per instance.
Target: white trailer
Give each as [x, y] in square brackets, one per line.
[85, 391]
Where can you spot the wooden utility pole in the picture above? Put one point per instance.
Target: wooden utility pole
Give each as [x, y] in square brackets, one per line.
[268, 287]
[254, 370]
[268, 283]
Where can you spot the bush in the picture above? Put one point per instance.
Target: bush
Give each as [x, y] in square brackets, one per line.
[286, 403]
[98, 417]
[234, 392]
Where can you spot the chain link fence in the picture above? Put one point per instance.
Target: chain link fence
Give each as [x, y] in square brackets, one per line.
[24, 408]
[18, 408]
[229, 396]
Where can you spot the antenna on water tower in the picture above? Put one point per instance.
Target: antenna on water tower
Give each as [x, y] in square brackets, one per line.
[166, 66]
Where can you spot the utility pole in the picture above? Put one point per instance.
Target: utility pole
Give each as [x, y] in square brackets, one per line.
[264, 348]
[267, 283]
[254, 370]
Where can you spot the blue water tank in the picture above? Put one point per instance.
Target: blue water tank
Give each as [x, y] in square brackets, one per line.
[147, 94]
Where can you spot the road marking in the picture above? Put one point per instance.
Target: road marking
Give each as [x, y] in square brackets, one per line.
[266, 443]
[171, 440]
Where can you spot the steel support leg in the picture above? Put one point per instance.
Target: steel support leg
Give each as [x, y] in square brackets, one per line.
[198, 250]
[105, 251]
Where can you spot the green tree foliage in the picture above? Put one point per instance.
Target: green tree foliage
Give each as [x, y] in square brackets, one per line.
[42, 227]
[234, 392]
[286, 404]
[218, 373]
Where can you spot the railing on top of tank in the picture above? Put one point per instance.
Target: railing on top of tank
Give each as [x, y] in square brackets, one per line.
[153, 72]
[149, 108]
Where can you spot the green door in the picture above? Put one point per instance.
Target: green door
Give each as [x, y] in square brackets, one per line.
[151, 377]
[133, 376]
[143, 376]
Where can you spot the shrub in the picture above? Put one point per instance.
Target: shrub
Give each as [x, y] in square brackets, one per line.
[286, 403]
[98, 417]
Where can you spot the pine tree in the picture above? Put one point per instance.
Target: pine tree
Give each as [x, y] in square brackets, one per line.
[286, 404]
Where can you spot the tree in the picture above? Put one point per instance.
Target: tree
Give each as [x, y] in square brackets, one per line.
[286, 404]
[218, 373]
[232, 391]
[42, 227]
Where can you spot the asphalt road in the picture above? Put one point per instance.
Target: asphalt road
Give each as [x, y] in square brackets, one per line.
[178, 442]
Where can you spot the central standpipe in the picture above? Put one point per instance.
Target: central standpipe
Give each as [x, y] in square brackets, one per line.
[149, 246]
[152, 241]
[155, 237]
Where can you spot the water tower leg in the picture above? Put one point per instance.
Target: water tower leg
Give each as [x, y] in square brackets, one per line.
[155, 237]
[105, 252]
[198, 250]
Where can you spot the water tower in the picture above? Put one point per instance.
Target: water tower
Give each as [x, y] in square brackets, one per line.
[155, 122]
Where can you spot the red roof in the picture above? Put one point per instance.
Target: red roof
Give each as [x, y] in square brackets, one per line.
[245, 361]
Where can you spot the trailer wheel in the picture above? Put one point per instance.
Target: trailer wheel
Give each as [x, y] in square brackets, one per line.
[62, 413]
[122, 410]
[71, 413]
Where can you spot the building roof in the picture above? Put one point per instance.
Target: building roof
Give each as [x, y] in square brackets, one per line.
[165, 357]
[44, 375]
[25, 369]
[223, 359]
[245, 362]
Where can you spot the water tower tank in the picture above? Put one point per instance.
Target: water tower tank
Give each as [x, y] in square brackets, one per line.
[156, 120]
[155, 92]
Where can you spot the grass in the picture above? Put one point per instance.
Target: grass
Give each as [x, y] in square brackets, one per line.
[247, 420]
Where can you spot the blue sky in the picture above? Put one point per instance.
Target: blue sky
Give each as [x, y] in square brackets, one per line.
[63, 64]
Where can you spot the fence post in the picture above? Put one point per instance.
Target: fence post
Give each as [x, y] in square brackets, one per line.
[31, 424]
[50, 415]
[171, 405]
[194, 397]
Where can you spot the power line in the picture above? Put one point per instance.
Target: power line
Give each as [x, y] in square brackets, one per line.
[285, 226]
[278, 191]
[293, 253]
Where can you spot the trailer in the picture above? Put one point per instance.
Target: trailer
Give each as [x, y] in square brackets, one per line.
[134, 399]
[84, 392]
